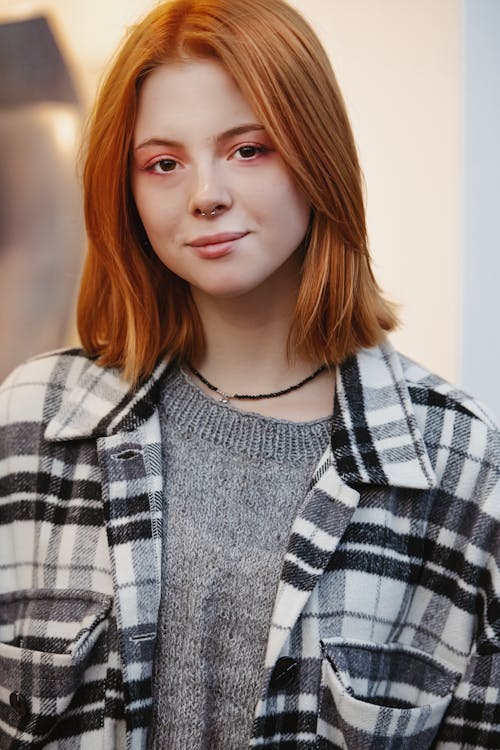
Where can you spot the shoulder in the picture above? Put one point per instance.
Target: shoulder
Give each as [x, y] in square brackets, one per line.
[452, 422]
[34, 390]
[71, 397]
[429, 387]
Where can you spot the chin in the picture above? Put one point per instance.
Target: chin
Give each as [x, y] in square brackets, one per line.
[226, 288]
[226, 292]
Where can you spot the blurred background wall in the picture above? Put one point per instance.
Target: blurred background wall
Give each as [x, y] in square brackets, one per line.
[421, 83]
[41, 230]
[479, 366]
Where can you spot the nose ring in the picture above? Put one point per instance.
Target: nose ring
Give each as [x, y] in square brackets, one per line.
[212, 212]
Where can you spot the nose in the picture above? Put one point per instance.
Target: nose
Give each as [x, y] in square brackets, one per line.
[210, 195]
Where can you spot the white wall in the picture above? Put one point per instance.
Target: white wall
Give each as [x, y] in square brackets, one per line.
[399, 65]
[480, 349]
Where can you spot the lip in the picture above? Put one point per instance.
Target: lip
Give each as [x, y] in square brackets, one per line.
[216, 239]
[216, 245]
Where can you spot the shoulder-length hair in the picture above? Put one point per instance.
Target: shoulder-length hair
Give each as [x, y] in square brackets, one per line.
[131, 308]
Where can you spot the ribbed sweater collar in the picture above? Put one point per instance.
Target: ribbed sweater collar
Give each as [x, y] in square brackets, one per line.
[257, 436]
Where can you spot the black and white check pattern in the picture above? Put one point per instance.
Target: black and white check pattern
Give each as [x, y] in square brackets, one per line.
[388, 600]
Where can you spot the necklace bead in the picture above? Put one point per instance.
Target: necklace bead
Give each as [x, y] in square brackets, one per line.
[226, 397]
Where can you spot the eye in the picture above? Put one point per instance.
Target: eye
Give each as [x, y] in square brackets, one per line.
[162, 165]
[250, 151]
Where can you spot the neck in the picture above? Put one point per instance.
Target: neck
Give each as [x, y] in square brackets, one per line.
[246, 334]
[246, 352]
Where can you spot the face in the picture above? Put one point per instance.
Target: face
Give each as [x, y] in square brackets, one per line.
[218, 203]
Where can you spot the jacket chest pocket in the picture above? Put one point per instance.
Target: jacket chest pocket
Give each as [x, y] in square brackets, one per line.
[51, 645]
[383, 696]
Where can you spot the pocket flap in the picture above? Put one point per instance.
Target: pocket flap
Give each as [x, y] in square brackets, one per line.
[381, 695]
[389, 674]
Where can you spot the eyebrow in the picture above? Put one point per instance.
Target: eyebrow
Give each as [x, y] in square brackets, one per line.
[238, 130]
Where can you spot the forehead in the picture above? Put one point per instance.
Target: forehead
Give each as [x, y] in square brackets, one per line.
[192, 96]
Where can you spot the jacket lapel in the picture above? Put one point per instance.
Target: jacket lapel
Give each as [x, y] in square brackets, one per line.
[316, 532]
[132, 495]
[375, 440]
[125, 424]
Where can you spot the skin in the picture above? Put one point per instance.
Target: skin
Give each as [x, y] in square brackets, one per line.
[241, 174]
[197, 146]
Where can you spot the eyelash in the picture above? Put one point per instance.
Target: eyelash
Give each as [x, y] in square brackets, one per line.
[260, 150]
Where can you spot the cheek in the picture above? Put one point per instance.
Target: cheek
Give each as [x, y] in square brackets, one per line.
[280, 197]
[292, 212]
[141, 204]
[157, 216]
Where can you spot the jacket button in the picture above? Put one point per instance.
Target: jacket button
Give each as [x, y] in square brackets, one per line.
[19, 704]
[284, 673]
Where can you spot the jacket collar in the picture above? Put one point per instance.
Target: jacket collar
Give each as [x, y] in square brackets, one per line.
[98, 402]
[375, 437]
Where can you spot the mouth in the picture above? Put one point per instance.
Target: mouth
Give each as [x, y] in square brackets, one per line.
[216, 245]
[216, 239]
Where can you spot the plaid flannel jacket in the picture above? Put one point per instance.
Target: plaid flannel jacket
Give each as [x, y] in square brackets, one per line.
[386, 625]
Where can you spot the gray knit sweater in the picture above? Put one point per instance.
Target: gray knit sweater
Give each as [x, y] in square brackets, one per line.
[233, 482]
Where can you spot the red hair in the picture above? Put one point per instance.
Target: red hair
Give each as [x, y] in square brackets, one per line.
[131, 308]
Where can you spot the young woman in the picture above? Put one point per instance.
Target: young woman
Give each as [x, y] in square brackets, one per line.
[237, 517]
